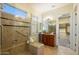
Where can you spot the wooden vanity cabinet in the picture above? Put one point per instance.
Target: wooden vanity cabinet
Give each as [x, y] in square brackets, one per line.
[47, 39]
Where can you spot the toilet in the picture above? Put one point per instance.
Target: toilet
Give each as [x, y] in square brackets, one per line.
[35, 47]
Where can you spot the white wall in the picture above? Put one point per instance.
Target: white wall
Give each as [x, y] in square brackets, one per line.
[77, 38]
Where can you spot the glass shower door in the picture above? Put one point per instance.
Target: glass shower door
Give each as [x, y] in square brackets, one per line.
[64, 31]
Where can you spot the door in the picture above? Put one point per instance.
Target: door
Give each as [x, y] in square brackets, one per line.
[14, 39]
[64, 31]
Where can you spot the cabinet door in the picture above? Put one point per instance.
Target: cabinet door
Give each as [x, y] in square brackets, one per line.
[47, 40]
[44, 39]
[51, 38]
[51, 42]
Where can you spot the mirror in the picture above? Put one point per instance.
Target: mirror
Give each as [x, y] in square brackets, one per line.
[52, 26]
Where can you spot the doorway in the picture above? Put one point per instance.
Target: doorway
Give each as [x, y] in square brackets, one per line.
[64, 30]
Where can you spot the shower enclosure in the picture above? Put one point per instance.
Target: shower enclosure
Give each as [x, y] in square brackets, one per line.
[64, 30]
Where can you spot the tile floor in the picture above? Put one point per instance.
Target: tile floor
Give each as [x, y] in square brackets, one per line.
[58, 51]
[53, 51]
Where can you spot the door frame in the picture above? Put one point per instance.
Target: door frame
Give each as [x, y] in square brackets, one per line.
[72, 29]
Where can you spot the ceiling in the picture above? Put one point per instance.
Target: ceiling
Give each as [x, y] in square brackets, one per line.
[44, 7]
[38, 8]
